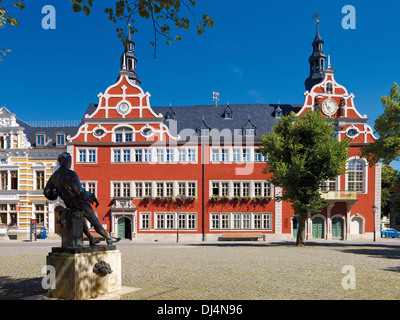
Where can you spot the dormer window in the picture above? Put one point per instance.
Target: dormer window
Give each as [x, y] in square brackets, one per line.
[204, 132]
[170, 115]
[228, 112]
[60, 139]
[249, 132]
[40, 138]
[278, 112]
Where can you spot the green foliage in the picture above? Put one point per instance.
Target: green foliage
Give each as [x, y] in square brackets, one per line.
[163, 14]
[303, 152]
[387, 127]
[389, 177]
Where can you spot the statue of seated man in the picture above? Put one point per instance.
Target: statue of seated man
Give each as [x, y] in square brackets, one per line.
[64, 183]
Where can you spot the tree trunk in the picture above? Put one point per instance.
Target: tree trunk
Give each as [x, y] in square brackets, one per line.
[301, 232]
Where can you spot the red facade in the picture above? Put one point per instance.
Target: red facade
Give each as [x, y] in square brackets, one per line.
[153, 185]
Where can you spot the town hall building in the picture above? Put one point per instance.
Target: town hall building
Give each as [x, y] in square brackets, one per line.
[195, 173]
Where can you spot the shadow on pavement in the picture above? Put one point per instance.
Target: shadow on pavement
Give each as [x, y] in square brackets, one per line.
[16, 289]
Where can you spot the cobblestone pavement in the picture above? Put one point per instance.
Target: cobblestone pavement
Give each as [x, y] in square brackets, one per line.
[231, 270]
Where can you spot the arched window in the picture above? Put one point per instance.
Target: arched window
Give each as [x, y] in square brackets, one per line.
[123, 134]
[356, 176]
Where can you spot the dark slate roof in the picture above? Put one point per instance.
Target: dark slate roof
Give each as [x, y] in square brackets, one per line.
[262, 116]
[258, 116]
[50, 132]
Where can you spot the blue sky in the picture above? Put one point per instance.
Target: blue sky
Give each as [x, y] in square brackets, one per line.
[257, 52]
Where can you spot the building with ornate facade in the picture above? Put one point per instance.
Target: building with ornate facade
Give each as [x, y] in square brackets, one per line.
[28, 157]
[189, 172]
[196, 172]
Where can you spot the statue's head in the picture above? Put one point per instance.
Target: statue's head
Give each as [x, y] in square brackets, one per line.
[65, 160]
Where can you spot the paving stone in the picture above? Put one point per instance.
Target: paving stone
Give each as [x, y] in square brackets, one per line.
[230, 271]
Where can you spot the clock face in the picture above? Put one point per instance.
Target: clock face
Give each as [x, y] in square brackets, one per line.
[123, 108]
[329, 107]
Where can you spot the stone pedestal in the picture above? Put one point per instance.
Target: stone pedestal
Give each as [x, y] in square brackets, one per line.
[72, 228]
[85, 272]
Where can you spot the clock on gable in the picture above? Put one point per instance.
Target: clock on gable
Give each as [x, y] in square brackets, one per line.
[123, 108]
[329, 107]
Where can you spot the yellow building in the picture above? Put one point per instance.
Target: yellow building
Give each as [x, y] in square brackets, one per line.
[28, 157]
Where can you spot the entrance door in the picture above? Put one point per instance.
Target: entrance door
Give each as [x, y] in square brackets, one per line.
[124, 228]
[318, 228]
[337, 228]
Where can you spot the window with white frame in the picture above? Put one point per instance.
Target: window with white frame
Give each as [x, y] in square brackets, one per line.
[164, 189]
[126, 189]
[8, 214]
[182, 155]
[90, 186]
[117, 155]
[215, 155]
[246, 155]
[147, 155]
[160, 155]
[329, 185]
[127, 155]
[225, 155]
[241, 221]
[170, 221]
[191, 154]
[170, 155]
[91, 155]
[87, 155]
[356, 176]
[138, 155]
[236, 155]
[123, 135]
[145, 221]
[39, 214]
[241, 189]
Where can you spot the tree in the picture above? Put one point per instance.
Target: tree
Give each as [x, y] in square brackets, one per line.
[303, 153]
[387, 127]
[389, 177]
[162, 15]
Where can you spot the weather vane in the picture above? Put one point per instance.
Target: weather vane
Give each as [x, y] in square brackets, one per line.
[216, 97]
[316, 16]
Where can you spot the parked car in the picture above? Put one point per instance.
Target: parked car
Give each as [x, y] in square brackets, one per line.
[390, 232]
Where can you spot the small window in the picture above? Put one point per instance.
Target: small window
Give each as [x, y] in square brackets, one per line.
[249, 132]
[60, 140]
[40, 140]
[204, 132]
[40, 179]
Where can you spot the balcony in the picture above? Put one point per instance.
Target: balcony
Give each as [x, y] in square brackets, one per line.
[339, 195]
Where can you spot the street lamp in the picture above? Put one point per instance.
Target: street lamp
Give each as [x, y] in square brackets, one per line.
[375, 212]
[177, 223]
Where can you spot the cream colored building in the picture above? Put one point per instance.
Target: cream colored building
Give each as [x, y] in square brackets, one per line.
[28, 157]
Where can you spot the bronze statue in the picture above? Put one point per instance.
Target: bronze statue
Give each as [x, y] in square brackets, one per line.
[64, 183]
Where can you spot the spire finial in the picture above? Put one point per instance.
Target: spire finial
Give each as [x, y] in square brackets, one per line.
[329, 61]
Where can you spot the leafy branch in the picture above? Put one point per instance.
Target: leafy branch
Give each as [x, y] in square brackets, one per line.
[162, 13]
